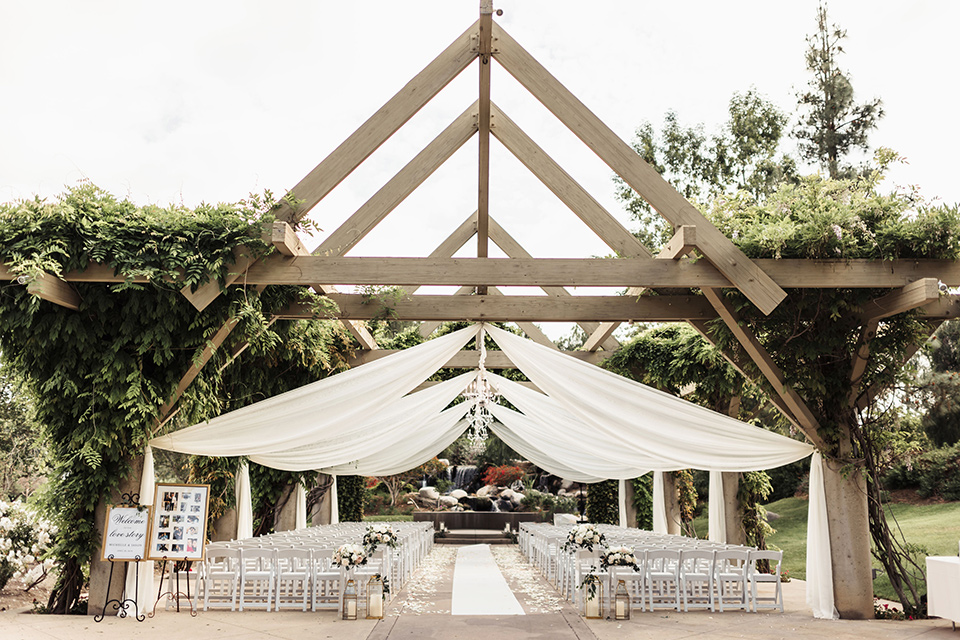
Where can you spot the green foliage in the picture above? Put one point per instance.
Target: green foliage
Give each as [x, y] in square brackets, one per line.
[786, 479]
[687, 499]
[833, 124]
[350, 494]
[603, 502]
[753, 490]
[643, 501]
[933, 473]
[270, 490]
[22, 454]
[100, 375]
[937, 390]
[740, 157]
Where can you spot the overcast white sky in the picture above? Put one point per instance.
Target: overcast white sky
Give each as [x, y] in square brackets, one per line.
[209, 101]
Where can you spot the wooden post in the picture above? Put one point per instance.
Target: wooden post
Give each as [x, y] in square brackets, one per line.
[483, 124]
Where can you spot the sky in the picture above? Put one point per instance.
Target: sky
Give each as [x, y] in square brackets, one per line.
[184, 102]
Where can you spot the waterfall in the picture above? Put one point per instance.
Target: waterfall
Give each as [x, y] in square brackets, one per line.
[463, 476]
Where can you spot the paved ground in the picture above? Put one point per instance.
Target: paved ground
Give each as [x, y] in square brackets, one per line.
[422, 610]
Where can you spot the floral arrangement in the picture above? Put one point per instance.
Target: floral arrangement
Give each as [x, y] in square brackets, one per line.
[349, 556]
[619, 557]
[584, 536]
[378, 534]
[25, 538]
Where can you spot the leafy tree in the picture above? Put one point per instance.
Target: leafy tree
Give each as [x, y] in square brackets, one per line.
[833, 125]
[814, 333]
[939, 388]
[400, 482]
[743, 155]
[22, 454]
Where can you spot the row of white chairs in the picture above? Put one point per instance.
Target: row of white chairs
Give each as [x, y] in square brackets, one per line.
[295, 569]
[673, 571]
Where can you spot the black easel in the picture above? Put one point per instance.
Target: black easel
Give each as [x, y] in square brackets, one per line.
[174, 594]
[126, 500]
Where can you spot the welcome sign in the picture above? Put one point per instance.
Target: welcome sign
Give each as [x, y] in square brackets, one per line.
[125, 535]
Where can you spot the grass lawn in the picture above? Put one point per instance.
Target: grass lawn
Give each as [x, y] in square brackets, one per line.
[934, 527]
[400, 518]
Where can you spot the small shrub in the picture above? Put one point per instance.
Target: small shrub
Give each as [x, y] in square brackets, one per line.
[502, 476]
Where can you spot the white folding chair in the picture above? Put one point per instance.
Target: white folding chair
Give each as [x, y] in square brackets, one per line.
[731, 579]
[257, 575]
[221, 575]
[662, 578]
[756, 577]
[697, 567]
[294, 568]
[325, 581]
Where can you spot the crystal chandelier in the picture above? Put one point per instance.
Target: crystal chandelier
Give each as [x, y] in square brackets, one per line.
[480, 394]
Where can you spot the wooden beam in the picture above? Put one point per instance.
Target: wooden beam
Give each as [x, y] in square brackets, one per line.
[209, 291]
[945, 308]
[381, 125]
[469, 358]
[861, 357]
[757, 286]
[602, 333]
[579, 201]
[807, 421]
[284, 238]
[428, 327]
[499, 308]
[514, 249]
[483, 122]
[52, 289]
[432, 383]
[790, 274]
[533, 331]
[737, 363]
[916, 294]
[683, 242]
[400, 186]
[451, 244]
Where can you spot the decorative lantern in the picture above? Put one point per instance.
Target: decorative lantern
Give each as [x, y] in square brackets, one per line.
[622, 604]
[592, 596]
[375, 598]
[350, 601]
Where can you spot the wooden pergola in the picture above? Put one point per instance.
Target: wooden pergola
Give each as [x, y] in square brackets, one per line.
[912, 284]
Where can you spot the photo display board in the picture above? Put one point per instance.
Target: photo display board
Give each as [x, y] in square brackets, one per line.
[125, 536]
[179, 524]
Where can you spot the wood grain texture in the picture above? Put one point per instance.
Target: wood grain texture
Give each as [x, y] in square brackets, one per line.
[467, 359]
[52, 289]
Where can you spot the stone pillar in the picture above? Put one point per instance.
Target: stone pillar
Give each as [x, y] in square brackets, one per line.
[100, 570]
[732, 509]
[224, 527]
[320, 513]
[631, 508]
[671, 502]
[285, 519]
[849, 521]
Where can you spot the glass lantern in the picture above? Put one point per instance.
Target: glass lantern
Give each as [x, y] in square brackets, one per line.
[375, 598]
[622, 602]
[350, 601]
[592, 597]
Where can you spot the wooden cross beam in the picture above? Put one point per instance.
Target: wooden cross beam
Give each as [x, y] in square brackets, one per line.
[470, 359]
[52, 289]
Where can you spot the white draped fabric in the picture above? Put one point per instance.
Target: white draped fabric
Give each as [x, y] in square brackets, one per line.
[300, 515]
[659, 504]
[716, 511]
[244, 503]
[340, 406]
[144, 587]
[334, 503]
[622, 492]
[819, 561]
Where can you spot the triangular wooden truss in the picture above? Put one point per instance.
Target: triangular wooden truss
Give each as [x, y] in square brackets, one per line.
[914, 283]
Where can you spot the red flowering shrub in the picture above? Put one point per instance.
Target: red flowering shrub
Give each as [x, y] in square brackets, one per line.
[502, 476]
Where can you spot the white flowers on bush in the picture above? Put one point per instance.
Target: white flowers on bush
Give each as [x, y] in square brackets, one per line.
[378, 534]
[25, 538]
[349, 556]
[584, 536]
[619, 557]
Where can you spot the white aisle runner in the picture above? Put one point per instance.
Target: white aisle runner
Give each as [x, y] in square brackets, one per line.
[479, 588]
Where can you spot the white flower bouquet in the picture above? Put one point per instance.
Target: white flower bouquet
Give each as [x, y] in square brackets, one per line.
[378, 534]
[25, 541]
[349, 556]
[584, 536]
[619, 557]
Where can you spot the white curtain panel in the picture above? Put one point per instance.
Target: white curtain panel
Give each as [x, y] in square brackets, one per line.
[819, 557]
[338, 406]
[645, 422]
[244, 503]
[717, 513]
[301, 513]
[403, 427]
[334, 503]
[144, 587]
[659, 504]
